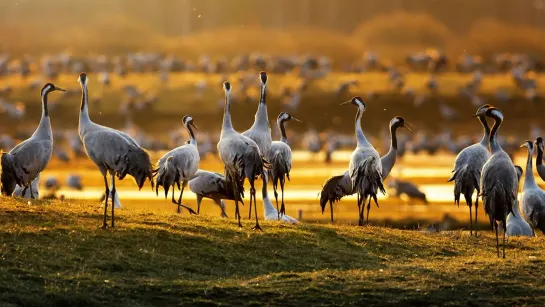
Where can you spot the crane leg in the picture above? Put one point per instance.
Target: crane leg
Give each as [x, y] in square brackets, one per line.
[113, 197]
[504, 223]
[221, 204]
[360, 210]
[250, 209]
[24, 192]
[368, 209]
[470, 222]
[476, 210]
[107, 193]
[252, 194]
[31, 192]
[235, 189]
[191, 211]
[497, 240]
[331, 209]
[282, 207]
[275, 186]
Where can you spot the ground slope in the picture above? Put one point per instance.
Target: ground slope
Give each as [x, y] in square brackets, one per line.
[54, 253]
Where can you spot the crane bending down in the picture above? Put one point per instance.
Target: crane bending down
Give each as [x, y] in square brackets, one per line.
[498, 179]
[467, 170]
[280, 159]
[29, 158]
[178, 165]
[241, 157]
[211, 185]
[337, 187]
[532, 200]
[112, 151]
[516, 225]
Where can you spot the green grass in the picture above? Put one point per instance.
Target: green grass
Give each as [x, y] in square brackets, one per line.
[54, 254]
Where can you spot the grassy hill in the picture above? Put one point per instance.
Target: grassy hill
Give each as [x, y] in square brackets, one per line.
[55, 254]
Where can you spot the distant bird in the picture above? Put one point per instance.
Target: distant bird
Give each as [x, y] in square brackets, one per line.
[467, 170]
[214, 186]
[112, 151]
[532, 200]
[240, 155]
[280, 159]
[337, 187]
[28, 159]
[408, 188]
[272, 214]
[35, 188]
[311, 141]
[365, 168]
[74, 181]
[260, 132]
[539, 159]
[52, 184]
[498, 178]
[178, 165]
[516, 225]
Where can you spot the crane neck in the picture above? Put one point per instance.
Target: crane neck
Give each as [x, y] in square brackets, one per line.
[539, 157]
[529, 179]
[493, 137]
[360, 137]
[486, 130]
[44, 127]
[192, 139]
[261, 116]
[227, 125]
[84, 119]
[283, 137]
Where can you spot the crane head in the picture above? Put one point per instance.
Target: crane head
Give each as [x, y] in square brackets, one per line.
[539, 143]
[284, 116]
[263, 77]
[528, 144]
[227, 87]
[357, 101]
[83, 79]
[188, 122]
[50, 87]
[399, 122]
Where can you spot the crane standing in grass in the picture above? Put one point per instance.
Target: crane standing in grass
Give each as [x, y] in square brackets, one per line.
[532, 200]
[337, 187]
[28, 159]
[178, 165]
[467, 170]
[112, 151]
[241, 157]
[280, 159]
[516, 225]
[498, 179]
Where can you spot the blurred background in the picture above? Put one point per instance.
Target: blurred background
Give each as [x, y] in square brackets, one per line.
[434, 62]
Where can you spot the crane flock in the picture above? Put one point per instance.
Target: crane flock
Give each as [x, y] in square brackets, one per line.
[483, 167]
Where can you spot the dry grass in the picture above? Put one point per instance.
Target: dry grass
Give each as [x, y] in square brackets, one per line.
[53, 253]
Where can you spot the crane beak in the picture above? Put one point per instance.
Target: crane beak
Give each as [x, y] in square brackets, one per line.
[295, 119]
[59, 89]
[523, 145]
[194, 126]
[345, 103]
[408, 126]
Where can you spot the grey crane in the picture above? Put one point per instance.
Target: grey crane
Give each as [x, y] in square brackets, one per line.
[498, 178]
[539, 159]
[29, 158]
[532, 200]
[178, 165]
[260, 132]
[214, 186]
[112, 151]
[516, 225]
[270, 213]
[240, 155]
[365, 169]
[467, 170]
[337, 187]
[280, 159]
